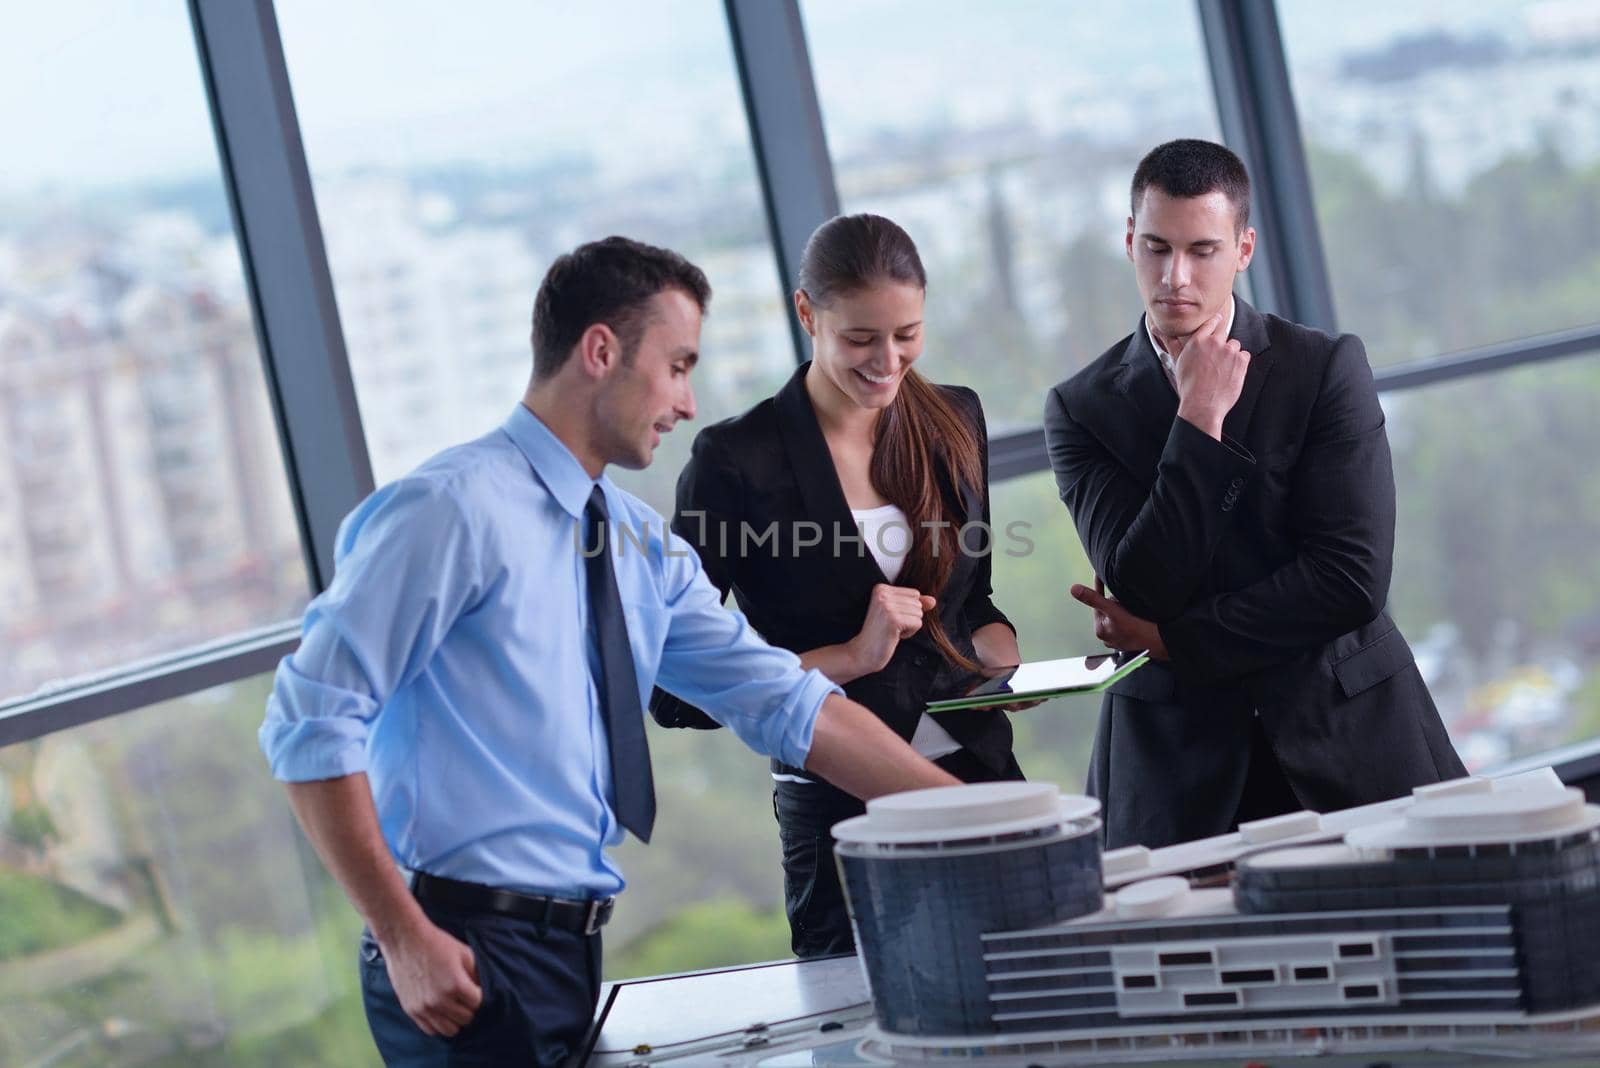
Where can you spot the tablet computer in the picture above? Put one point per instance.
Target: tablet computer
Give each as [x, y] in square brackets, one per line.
[1045, 678]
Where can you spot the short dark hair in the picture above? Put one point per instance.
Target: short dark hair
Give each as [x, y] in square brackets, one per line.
[1193, 168]
[848, 253]
[610, 281]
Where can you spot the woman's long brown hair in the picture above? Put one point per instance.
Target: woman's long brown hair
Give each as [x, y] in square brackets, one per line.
[921, 443]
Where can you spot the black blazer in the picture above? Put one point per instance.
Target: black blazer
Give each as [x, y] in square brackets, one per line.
[770, 470]
[1265, 559]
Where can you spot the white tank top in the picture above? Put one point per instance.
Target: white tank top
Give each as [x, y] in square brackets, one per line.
[888, 538]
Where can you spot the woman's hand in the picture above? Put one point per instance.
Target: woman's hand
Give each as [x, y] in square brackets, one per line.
[996, 645]
[894, 613]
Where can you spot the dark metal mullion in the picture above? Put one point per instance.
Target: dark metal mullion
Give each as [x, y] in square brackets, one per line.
[159, 680]
[1490, 358]
[1015, 454]
[1255, 101]
[286, 269]
[786, 133]
[1577, 764]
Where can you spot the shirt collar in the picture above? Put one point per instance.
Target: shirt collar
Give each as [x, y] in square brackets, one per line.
[1169, 361]
[552, 462]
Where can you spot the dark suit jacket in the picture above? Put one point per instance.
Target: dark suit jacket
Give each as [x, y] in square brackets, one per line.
[770, 469]
[1265, 559]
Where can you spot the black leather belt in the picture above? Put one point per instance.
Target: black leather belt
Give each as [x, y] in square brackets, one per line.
[567, 914]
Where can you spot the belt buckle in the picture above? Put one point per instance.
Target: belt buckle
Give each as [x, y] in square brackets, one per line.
[592, 921]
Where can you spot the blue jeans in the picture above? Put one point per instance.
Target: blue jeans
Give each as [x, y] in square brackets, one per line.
[539, 995]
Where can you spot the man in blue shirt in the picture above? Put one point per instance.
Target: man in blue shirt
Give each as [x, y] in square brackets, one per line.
[461, 727]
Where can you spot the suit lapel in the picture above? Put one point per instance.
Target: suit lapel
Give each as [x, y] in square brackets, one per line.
[1145, 383]
[820, 492]
[1152, 399]
[1250, 331]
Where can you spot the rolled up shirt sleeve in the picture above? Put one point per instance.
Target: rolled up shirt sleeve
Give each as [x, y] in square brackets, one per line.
[716, 661]
[406, 568]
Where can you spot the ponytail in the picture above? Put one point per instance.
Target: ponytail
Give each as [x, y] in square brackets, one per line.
[923, 445]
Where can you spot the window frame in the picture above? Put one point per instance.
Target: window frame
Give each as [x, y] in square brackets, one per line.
[301, 341]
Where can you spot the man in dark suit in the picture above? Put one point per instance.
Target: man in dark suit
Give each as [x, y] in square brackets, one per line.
[1230, 478]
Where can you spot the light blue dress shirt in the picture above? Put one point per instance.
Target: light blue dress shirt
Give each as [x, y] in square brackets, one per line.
[451, 660]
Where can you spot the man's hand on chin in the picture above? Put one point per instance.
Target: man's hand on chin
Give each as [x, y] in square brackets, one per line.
[1115, 626]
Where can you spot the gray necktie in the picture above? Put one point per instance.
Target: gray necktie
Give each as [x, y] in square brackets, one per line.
[619, 692]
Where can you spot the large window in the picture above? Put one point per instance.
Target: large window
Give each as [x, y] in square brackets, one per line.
[1495, 580]
[1453, 152]
[1004, 138]
[454, 158]
[157, 905]
[143, 504]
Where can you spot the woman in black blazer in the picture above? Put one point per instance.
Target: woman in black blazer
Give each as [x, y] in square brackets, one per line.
[849, 517]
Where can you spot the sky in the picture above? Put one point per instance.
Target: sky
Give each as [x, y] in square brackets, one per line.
[97, 93]
[109, 92]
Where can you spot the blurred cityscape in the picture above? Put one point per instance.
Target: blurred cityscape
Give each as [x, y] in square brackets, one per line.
[144, 509]
[143, 506]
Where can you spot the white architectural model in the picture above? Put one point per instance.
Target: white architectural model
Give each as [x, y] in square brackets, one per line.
[1465, 917]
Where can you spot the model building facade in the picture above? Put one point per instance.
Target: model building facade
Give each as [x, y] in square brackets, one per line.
[1473, 908]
